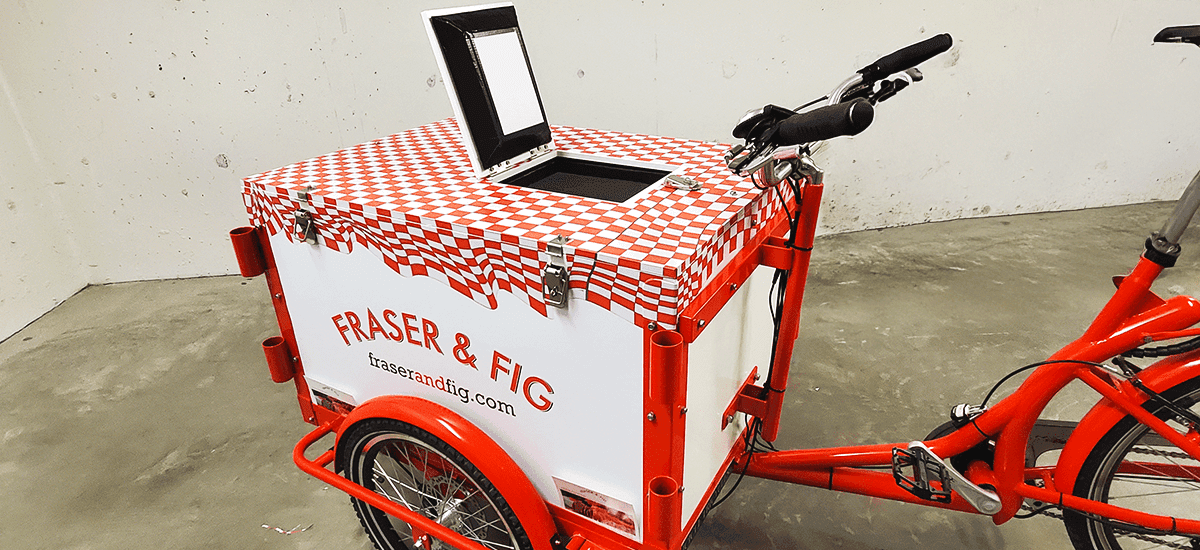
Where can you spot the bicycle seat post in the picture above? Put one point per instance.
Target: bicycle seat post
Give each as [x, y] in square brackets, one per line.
[1165, 242]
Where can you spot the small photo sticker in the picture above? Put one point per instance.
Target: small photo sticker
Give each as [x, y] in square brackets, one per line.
[610, 512]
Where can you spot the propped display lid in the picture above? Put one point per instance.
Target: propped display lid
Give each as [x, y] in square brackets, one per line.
[486, 69]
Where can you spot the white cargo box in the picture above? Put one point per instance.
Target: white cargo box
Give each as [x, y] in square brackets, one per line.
[423, 274]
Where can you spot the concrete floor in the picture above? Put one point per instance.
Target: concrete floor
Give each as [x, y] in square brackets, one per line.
[141, 415]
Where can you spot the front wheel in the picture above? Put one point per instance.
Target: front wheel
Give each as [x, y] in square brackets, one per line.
[418, 470]
[1133, 467]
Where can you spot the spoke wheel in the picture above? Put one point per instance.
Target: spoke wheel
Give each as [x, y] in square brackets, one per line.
[414, 468]
[1133, 467]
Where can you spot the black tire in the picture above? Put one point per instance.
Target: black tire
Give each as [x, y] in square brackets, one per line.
[1177, 496]
[410, 466]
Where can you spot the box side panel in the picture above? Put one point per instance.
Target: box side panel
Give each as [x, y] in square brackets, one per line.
[734, 342]
[562, 393]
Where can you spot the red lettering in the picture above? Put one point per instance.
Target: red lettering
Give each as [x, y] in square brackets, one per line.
[541, 403]
[410, 329]
[337, 322]
[516, 377]
[430, 331]
[460, 350]
[356, 326]
[496, 358]
[388, 316]
[373, 326]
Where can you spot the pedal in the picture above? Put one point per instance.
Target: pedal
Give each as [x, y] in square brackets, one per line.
[928, 479]
[933, 479]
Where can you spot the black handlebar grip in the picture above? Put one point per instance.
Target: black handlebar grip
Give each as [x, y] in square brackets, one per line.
[906, 58]
[843, 119]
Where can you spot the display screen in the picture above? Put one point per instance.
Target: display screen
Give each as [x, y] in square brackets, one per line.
[509, 82]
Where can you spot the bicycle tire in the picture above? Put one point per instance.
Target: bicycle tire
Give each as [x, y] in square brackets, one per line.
[411, 466]
[1098, 479]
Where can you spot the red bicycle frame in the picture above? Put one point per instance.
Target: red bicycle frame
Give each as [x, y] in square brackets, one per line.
[1132, 317]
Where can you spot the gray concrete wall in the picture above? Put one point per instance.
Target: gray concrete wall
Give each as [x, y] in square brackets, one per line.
[128, 125]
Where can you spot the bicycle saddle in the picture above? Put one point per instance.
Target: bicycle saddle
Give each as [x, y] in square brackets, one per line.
[1188, 33]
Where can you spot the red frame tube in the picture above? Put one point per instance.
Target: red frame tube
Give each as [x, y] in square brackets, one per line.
[810, 206]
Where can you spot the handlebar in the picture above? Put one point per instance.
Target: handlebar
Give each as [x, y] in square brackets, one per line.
[849, 111]
[906, 58]
[843, 119]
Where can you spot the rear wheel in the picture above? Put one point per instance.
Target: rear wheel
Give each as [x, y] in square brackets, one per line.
[416, 469]
[1133, 467]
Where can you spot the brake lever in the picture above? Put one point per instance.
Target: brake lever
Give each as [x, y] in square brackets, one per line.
[891, 87]
[734, 161]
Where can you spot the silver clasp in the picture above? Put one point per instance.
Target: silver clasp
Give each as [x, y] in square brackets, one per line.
[556, 276]
[680, 182]
[303, 227]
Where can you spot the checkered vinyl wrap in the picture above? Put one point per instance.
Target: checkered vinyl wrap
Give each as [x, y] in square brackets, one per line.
[413, 201]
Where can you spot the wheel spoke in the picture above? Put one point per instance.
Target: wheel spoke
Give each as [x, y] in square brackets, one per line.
[391, 482]
[450, 493]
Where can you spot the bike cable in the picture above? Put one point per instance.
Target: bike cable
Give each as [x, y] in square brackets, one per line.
[751, 440]
[1164, 351]
[775, 297]
[1034, 366]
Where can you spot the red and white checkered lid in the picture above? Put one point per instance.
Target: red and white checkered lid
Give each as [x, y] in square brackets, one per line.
[413, 201]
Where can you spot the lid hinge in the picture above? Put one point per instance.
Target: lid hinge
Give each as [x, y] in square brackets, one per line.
[522, 161]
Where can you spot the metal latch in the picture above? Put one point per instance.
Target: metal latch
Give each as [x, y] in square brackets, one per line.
[556, 274]
[304, 229]
[681, 182]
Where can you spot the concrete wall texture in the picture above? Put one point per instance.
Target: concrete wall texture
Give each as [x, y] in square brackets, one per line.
[127, 126]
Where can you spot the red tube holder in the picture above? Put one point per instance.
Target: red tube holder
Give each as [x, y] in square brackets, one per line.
[279, 359]
[663, 513]
[250, 259]
[666, 358]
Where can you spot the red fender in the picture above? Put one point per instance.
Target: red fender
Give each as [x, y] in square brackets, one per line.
[1159, 377]
[477, 447]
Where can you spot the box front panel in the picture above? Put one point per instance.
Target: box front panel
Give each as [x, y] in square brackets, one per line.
[561, 393]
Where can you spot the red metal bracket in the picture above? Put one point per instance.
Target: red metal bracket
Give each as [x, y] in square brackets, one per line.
[774, 253]
[749, 400]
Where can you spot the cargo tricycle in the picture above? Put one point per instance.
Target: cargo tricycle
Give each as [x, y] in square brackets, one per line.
[536, 337]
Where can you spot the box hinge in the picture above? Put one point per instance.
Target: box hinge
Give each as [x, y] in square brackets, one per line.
[557, 274]
[520, 162]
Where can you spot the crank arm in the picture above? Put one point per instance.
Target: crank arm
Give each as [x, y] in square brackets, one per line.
[981, 499]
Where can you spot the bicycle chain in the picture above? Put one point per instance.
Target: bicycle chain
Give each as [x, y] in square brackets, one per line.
[1051, 512]
[1168, 454]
